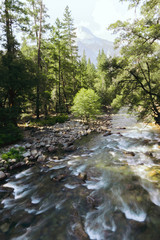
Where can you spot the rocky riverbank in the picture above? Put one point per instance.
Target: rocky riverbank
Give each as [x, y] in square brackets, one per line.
[40, 142]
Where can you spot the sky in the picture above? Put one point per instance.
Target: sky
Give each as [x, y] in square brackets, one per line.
[93, 14]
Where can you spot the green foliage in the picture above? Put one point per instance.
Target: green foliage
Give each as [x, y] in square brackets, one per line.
[86, 104]
[9, 134]
[14, 153]
[137, 71]
[49, 121]
[117, 102]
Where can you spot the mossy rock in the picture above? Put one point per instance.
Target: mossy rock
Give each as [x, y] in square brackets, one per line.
[154, 173]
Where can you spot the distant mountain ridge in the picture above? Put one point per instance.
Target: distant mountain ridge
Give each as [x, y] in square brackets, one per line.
[87, 41]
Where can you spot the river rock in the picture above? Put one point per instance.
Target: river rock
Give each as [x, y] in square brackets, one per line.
[12, 160]
[79, 232]
[28, 145]
[41, 158]
[150, 154]
[26, 154]
[59, 177]
[42, 144]
[2, 175]
[82, 176]
[34, 152]
[107, 134]
[138, 226]
[4, 227]
[52, 149]
[17, 146]
[129, 153]
[17, 165]
[71, 148]
[8, 175]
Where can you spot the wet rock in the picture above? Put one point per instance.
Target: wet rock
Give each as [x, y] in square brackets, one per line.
[150, 154]
[71, 148]
[59, 177]
[129, 153]
[146, 141]
[135, 178]
[17, 165]
[2, 175]
[119, 133]
[131, 187]
[41, 158]
[138, 226]
[4, 227]
[77, 228]
[82, 176]
[93, 202]
[79, 232]
[26, 221]
[8, 175]
[107, 134]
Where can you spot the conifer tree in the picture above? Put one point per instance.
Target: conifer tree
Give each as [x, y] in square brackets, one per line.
[15, 77]
[70, 82]
[37, 12]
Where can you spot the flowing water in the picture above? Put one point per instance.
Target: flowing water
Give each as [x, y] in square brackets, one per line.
[119, 199]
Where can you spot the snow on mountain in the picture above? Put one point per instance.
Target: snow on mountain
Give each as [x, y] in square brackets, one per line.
[87, 41]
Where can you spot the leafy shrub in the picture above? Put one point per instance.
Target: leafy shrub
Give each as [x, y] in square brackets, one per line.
[14, 153]
[86, 104]
[49, 121]
[9, 134]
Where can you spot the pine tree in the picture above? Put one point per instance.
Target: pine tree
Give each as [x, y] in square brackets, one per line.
[70, 70]
[37, 13]
[15, 77]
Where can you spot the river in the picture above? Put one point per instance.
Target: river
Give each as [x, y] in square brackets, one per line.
[108, 189]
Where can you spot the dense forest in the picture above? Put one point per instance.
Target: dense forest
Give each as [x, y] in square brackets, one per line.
[41, 73]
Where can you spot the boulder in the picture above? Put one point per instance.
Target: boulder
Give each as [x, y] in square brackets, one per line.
[41, 158]
[2, 175]
[34, 152]
[26, 154]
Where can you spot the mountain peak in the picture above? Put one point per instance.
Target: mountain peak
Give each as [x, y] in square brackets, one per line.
[87, 41]
[84, 33]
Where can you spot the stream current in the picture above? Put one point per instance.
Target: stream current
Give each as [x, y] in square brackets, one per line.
[118, 200]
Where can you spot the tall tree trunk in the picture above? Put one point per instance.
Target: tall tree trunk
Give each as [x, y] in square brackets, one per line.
[59, 76]
[39, 61]
[8, 35]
